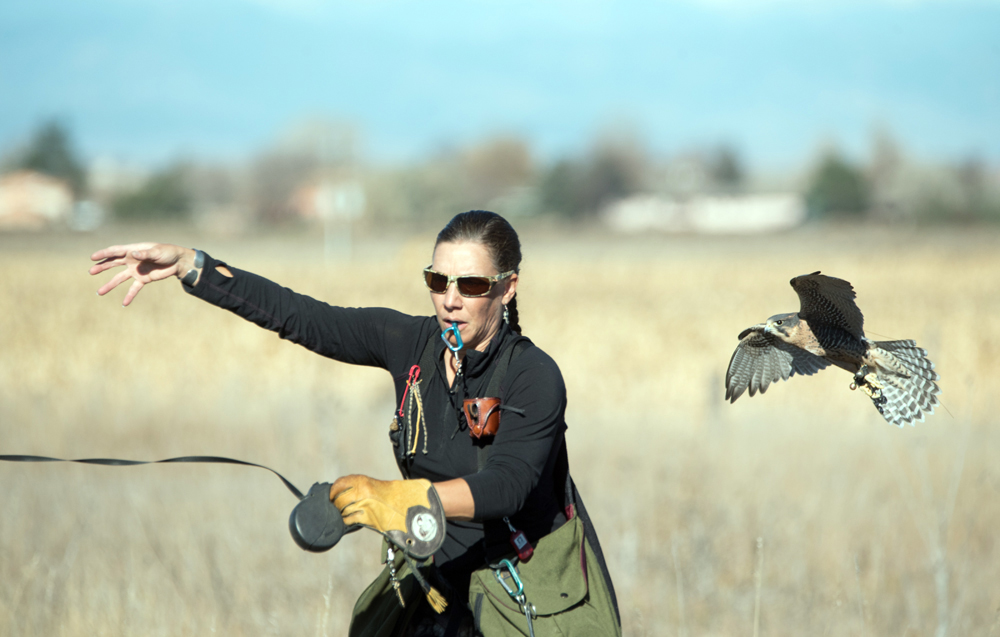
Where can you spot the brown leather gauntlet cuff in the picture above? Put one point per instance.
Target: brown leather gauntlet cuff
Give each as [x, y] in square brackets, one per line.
[425, 528]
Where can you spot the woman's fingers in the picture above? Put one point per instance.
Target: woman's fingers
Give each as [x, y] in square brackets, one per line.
[132, 291]
[106, 264]
[144, 262]
[116, 252]
[115, 281]
[113, 256]
[113, 252]
[107, 253]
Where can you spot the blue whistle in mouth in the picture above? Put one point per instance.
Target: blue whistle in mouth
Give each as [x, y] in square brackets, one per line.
[458, 338]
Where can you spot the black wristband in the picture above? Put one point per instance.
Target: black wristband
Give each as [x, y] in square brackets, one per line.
[192, 274]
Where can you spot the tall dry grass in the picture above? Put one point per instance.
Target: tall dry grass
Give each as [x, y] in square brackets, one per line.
[797, 513]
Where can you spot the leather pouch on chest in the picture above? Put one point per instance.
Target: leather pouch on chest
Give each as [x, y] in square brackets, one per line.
[482, 416]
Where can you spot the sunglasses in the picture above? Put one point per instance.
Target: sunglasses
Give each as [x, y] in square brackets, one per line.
[469, 285]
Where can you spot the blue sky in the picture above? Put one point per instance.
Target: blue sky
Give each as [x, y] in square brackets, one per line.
[146, 81]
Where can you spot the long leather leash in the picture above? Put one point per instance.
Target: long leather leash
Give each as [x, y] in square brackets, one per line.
[115, 462]
[315, 524]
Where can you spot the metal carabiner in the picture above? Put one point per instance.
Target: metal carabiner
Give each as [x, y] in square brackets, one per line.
[457, 347]
[517, 595]
[505, 563]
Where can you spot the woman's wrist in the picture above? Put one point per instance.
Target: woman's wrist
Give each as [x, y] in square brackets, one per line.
[189, 266]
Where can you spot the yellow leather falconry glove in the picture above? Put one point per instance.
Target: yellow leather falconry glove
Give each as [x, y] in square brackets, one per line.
[408, 512]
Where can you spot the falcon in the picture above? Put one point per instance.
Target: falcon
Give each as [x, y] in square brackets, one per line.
[828, 330]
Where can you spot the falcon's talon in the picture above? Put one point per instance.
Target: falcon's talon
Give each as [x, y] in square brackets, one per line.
[869, 383]
[872, 379]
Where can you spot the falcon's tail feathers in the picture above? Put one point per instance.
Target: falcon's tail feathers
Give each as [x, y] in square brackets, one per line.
[907, 377]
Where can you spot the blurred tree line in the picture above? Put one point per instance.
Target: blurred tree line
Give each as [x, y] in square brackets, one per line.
[891, 187]
[50, 152]
[279, 184]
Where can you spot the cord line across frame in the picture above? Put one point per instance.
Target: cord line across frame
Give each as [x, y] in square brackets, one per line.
[115, 462]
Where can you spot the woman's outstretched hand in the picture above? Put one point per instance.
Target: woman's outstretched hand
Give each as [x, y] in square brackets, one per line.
[144, 263]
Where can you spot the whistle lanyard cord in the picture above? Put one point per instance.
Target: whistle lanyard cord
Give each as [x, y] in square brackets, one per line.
[114, 462]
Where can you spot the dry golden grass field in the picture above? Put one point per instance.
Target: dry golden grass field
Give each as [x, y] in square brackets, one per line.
[799, 512]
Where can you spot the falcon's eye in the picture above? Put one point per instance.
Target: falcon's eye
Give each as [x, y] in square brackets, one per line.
[778, 322]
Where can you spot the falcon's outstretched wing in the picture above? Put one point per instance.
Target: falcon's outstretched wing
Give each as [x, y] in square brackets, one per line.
[824, 299]
[761, 359]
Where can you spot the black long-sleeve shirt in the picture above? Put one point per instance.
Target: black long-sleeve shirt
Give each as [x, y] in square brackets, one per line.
[518, 479]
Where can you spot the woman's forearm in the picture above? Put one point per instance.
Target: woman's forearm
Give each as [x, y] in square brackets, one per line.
[456, 498]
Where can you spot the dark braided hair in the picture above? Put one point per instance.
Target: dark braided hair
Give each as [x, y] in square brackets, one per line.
[499, 237]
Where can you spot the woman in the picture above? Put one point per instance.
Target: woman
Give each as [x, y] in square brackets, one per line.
[495, 490]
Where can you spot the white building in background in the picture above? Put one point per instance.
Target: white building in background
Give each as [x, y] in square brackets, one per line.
[705, 214]
[338, 203]
[33, 201]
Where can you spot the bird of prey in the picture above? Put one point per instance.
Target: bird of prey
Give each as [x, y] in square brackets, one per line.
[828, 329]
